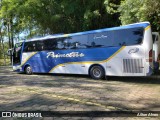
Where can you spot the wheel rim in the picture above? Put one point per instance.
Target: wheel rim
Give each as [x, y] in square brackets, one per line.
[97, 72]
[28, 70]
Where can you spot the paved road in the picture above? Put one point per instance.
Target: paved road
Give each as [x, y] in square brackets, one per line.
[20, 92]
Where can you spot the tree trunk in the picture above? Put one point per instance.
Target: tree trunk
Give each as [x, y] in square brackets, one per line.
[3, 49]
[11, 30]
[9, 37]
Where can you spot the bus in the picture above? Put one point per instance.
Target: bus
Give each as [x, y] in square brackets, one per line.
[118, 51]
[156, 49]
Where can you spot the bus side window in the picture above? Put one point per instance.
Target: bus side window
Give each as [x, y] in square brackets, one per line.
[39, 46]
[77, 42]
[28, 47]
[60, 45]
[50, 44]
[34, 45]
[25, 48]
[42, 47]
[100, 39]
[131, 36]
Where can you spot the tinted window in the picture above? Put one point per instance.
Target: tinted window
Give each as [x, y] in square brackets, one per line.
[62, 43]
[121, 37]
[130, 36]
[28, 47]
[101, 39]
[39, 45]
[33, 46]
[50, 44]
[75, 42]
[153, 37]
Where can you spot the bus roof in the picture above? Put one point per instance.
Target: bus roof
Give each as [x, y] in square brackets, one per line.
[141, 24]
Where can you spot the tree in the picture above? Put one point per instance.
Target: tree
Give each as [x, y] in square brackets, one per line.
[58, 16]
[140, 10]
[2, 46]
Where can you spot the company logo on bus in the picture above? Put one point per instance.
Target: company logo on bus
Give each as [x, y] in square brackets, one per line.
[134, 50]
[72, 54]
[100, 37]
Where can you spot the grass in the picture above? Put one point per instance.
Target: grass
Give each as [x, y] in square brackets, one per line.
[7, 62]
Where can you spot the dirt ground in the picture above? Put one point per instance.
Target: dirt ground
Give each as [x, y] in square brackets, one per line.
[48, 92]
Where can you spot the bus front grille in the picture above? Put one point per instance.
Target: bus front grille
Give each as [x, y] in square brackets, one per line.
[133, 66]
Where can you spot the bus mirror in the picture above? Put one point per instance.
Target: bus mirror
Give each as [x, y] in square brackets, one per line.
[9, 52]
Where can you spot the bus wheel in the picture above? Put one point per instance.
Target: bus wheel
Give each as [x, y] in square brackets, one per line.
[28, 70]
[97, 72]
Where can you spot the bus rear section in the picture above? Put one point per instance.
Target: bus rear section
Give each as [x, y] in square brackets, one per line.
[135, 57]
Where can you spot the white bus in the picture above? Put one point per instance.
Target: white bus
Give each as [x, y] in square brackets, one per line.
[118, 51]
[156, 49]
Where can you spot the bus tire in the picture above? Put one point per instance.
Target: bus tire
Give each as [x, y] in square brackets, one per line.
[97, 72]
[28, 70]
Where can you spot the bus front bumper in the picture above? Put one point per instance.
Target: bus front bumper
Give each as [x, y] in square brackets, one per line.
[17, 68]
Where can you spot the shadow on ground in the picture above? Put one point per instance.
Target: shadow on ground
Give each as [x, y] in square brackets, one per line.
[154, 79]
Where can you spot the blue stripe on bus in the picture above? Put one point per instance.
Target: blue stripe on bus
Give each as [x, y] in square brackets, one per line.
[40, 62]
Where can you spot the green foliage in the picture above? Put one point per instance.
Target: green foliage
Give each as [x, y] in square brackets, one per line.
[58, 16]
[97, 15]
[39, 17]
[128, 10]
[6, 47]
[140, 10]
[112, 6]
